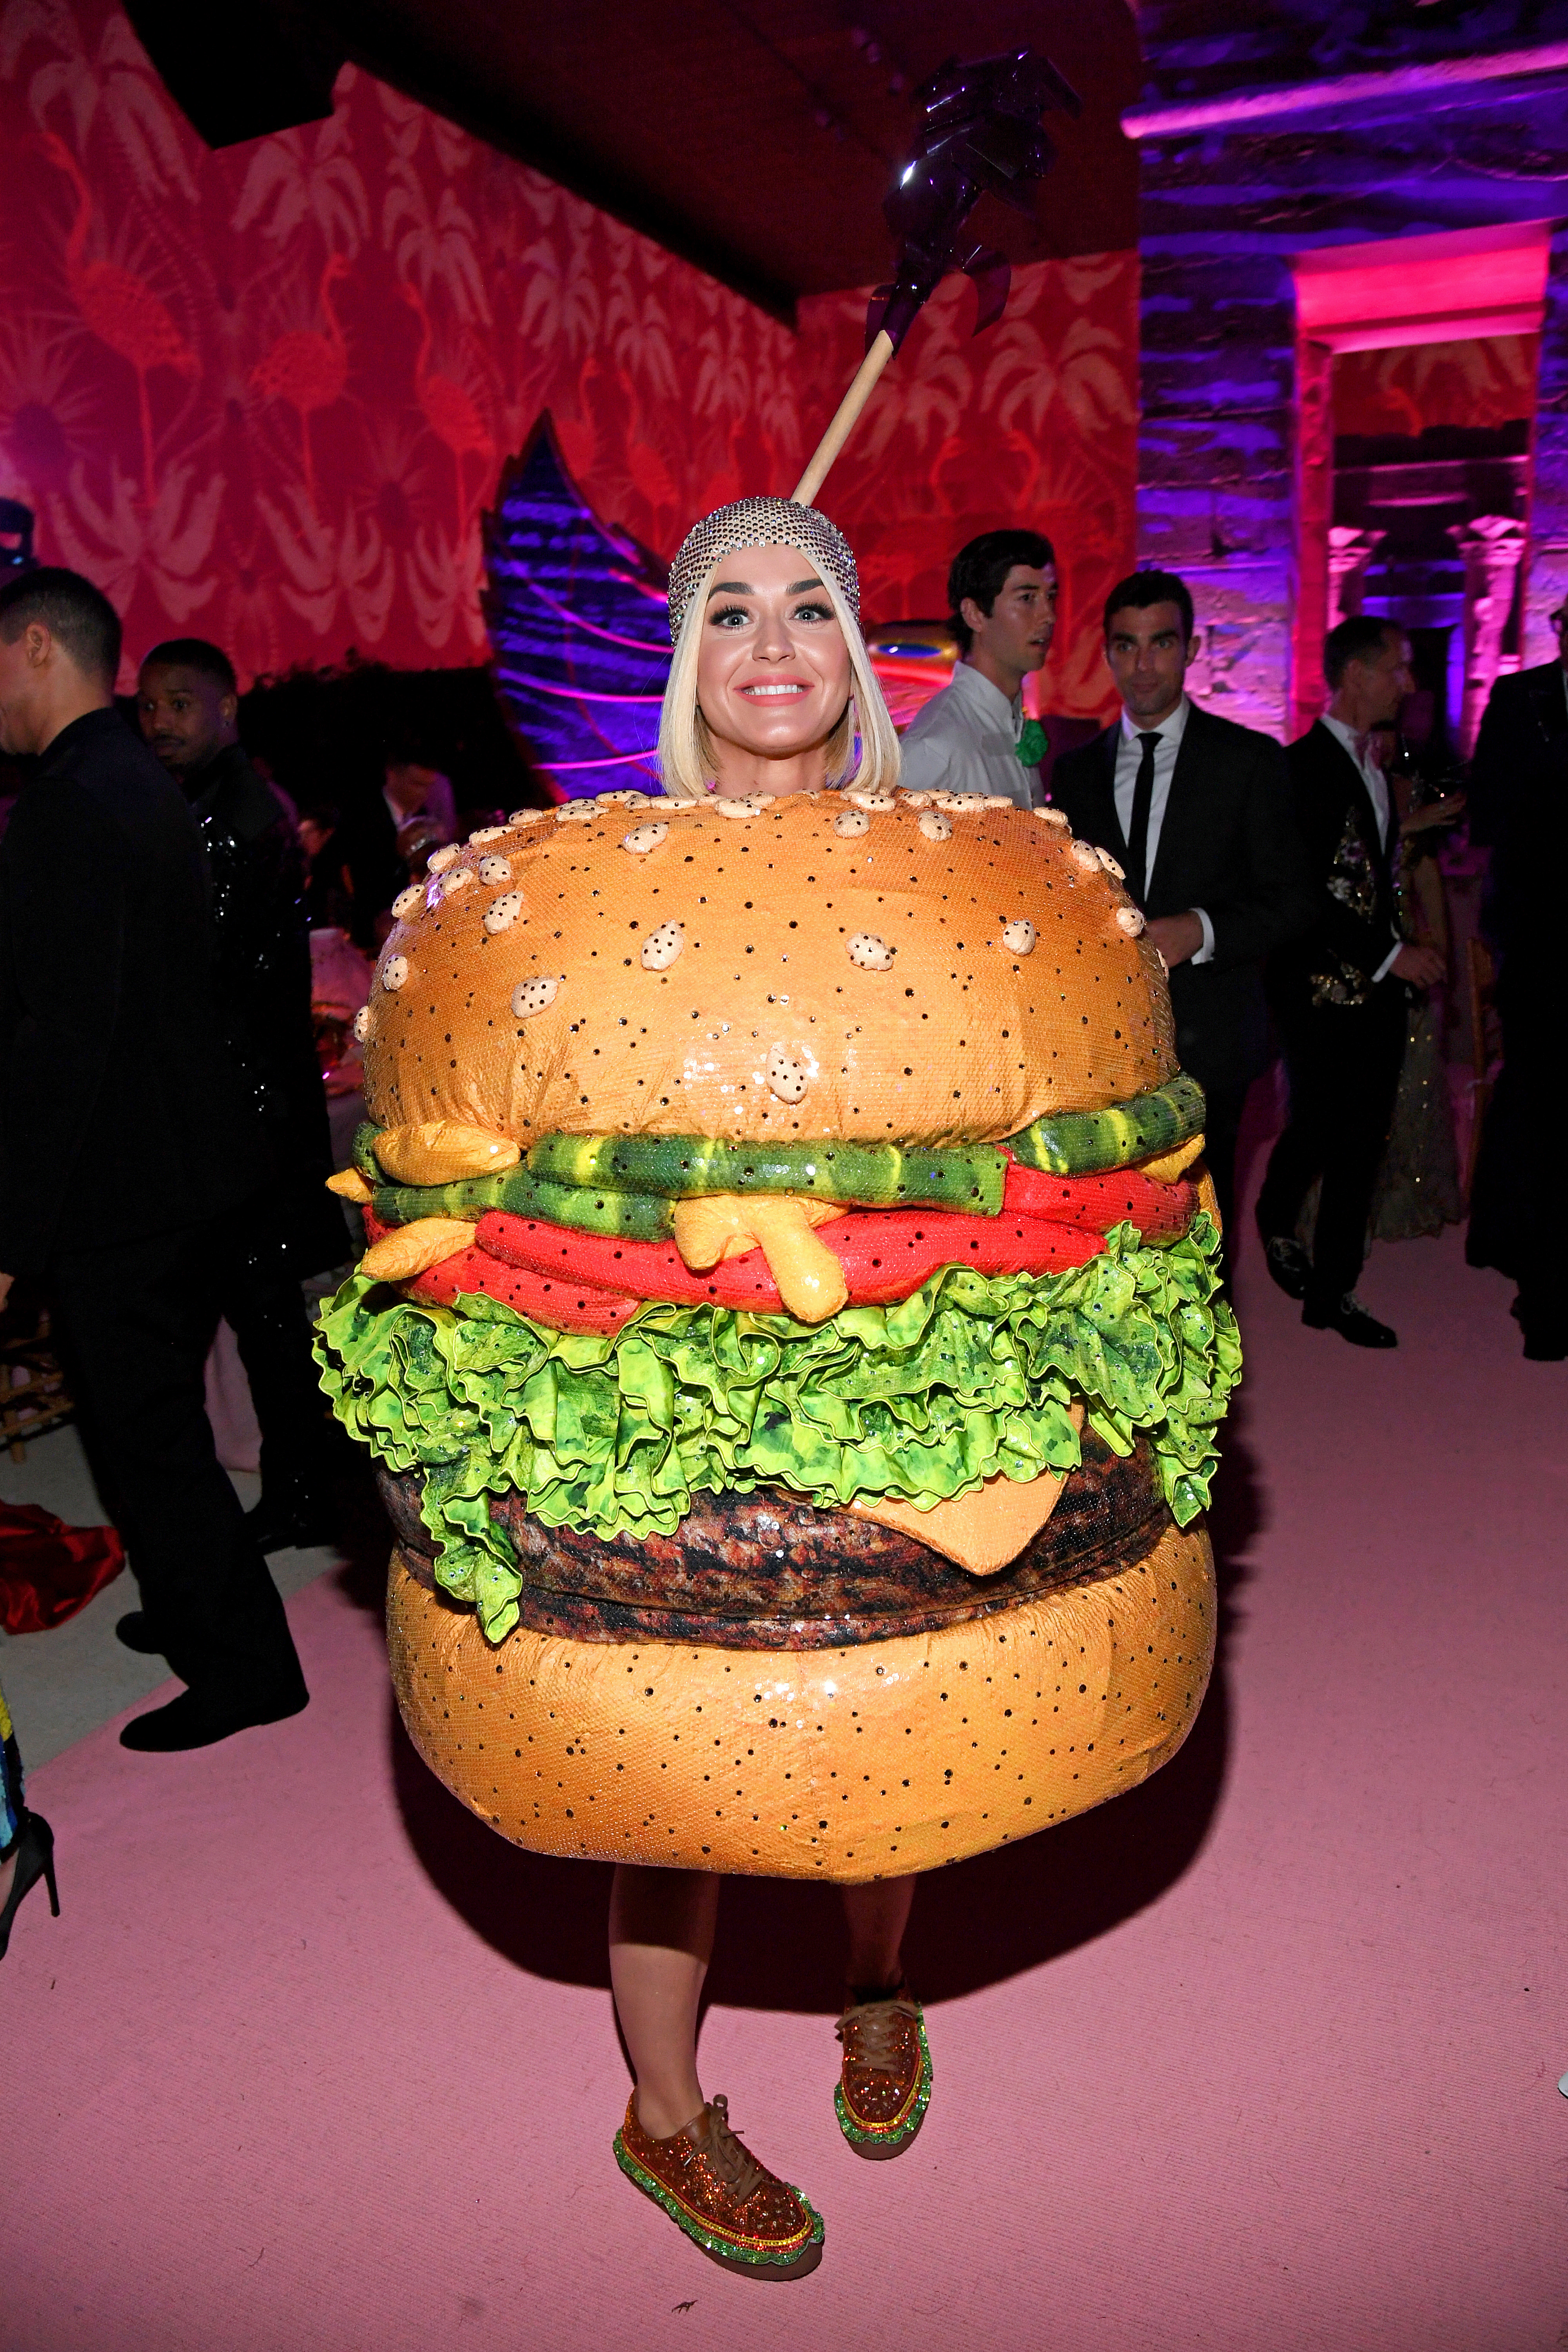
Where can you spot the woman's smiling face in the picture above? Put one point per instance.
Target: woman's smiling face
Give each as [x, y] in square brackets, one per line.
[773, 668]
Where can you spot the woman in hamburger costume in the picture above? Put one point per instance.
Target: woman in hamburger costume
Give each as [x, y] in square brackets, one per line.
[788, 1339]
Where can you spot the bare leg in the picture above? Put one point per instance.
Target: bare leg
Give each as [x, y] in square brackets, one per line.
[661, 1937]
[876, 1916]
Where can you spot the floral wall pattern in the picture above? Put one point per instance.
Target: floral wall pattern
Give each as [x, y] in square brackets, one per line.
[263, 394]
[1488, 380]
[1034, 423]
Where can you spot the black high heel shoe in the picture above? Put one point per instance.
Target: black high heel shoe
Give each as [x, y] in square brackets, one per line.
[35, 1853]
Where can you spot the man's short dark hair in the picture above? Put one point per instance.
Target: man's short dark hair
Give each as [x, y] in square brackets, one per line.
[77, 614]
[979, 572]
[194, 653]
[1140, 590]
[1359, 637]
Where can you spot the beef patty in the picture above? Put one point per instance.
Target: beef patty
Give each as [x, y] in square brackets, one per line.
[768, 1572]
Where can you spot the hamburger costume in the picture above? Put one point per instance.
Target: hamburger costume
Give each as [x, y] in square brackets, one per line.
[791, 1351]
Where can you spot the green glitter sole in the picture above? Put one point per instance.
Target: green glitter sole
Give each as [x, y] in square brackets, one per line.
[720, 2248]
[889, 2143]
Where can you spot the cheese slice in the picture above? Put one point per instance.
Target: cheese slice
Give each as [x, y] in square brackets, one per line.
[982, 1532]
[443, 1150]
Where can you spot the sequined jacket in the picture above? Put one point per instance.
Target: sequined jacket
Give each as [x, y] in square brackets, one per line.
[1354, 888]
[263, 975]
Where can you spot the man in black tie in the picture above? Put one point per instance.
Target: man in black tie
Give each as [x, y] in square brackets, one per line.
[1519, 808]
[1341, 991]
[1197, 810]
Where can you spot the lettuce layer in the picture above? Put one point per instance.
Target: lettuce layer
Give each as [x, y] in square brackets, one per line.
[971, 1377]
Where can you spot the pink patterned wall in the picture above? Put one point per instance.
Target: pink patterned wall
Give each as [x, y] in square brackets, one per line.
[262, 394]
[1033, 422]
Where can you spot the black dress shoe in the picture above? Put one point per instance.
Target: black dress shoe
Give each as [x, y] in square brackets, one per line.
[298, 1523]
[137, 1634]
[1289, 1266]
[193, 1721]
[1350, 1319]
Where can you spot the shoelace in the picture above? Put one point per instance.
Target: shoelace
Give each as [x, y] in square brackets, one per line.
[868, 2032]
[731, 2165]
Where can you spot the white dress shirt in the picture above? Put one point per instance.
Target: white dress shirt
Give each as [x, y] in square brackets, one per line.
[1376, 784]
[966, 740]
[1129, 759]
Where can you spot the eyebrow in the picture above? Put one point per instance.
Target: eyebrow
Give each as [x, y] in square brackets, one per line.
[740, 588]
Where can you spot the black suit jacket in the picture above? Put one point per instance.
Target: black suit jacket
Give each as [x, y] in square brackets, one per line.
[1227, 843]
[263, 975]
[1354, 902]
[1519, 806]
[121, 1114]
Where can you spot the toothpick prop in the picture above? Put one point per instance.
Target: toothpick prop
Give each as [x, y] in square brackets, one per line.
[981, 131]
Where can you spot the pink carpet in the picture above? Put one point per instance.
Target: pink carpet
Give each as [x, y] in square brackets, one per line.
[1265, 2054]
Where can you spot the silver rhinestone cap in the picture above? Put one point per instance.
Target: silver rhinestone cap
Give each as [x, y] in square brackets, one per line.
[760, 522]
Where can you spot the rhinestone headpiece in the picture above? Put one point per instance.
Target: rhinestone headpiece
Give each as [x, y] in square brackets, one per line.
[760, 522]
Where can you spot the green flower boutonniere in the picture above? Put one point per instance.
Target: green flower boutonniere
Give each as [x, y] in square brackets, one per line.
[1033, 743]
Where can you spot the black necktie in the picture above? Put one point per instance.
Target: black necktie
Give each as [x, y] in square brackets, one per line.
[1138, 836]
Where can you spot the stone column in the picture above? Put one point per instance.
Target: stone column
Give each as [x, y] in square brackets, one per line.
[1350, 553]
[1314, 505]
[1493, 548]
[1546, 585]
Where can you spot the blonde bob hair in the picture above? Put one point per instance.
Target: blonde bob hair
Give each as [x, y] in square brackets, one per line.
[686, 749]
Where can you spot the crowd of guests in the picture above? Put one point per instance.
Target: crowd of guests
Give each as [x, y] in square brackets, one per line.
[165, 1142]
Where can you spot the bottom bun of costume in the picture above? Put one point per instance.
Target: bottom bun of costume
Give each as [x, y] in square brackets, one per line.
[846, 1763]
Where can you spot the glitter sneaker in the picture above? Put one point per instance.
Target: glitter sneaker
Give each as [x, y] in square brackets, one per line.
[738, 2212]
[884, 2081]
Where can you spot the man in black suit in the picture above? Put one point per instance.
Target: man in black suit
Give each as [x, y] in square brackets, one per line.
[1342, 992]
[126, 1151]
[187, 700]
[1197, 810]
[1519, 808]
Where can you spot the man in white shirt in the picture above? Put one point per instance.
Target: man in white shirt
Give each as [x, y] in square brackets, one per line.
[1001, 589]
[1197, 810]
[1342, 992]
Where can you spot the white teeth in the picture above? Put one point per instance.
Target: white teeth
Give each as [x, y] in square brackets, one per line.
[503, 912]
[771, 693]
[787, 1075]
[1118, 872]
[644, 837]
[1018, 938]
[438, 860]
[935, 827]
[1128, 920]
[660, 948]
[495, 869]
[532, 996]
[361, 1025]
[853, 822]
[407, 901]
[394, 971]
[871, 953]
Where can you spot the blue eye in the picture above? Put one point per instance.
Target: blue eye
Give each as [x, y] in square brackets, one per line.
[813, 612]
[729, 616]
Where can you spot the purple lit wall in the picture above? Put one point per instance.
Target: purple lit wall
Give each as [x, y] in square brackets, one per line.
[1309, 124]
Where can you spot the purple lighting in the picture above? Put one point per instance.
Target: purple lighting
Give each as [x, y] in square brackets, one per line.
[578, 620]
